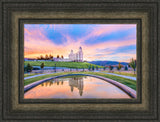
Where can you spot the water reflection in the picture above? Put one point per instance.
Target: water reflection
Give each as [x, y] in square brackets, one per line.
[76, 87]
[75, 82]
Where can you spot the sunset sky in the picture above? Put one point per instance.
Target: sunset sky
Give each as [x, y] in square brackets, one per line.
[113, 42]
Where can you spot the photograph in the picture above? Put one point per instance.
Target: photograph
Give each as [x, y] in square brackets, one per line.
[79, 61]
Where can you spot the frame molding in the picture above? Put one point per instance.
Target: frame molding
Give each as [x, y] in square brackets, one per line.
[14, 12]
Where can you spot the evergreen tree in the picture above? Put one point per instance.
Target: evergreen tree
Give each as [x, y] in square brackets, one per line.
[89, 67]
[111, 67]
[42, 65]
[126, 68]
[96, 67]
[93, 68]
[29, 68]
[104, 68]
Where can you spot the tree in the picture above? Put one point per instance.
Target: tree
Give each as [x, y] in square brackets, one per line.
[133, 64]
[89, 67]
[50, 56]
[129, 65]
[96, 67]
[104, 68]
[126, 68]
[38, 58]
[46, 57]
[111, 67]
[93, 68]
[119, 67]
[41, 57]
[42, 65]
[29, 68]
[57, 56]
[62, 56]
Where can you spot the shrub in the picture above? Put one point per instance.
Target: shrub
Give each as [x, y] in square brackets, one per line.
[111, 67]
[126, 68]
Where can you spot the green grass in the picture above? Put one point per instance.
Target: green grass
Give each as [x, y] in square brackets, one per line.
[61, 64]
[31, 80]
[127, 82]
[30, 74]
[124, 73]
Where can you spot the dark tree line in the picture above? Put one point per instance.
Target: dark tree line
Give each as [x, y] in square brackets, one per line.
[48, 57]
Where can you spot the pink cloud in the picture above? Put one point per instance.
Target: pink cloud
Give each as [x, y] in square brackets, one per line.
[36, 43]
[106, 30]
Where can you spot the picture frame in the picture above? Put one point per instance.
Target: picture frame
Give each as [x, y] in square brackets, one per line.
[22, 22]
[15, 13]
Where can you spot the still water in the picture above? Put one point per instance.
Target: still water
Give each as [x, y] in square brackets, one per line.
[75, 87]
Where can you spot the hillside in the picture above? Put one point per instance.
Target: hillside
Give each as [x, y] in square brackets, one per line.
[61, 64]
[103, 63]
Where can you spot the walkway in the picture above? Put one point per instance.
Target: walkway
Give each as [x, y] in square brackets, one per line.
[128, 77]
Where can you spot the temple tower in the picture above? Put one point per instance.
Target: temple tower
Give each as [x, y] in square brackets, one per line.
[80, 53]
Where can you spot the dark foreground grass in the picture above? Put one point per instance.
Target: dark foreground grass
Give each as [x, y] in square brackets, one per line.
[127, 82]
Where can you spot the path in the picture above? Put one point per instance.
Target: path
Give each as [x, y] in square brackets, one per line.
[128, 77]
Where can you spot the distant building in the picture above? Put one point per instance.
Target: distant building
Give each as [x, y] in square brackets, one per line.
[61, 59]
[76, 56]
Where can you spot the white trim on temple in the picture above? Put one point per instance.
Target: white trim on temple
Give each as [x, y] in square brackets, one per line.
[76, 56]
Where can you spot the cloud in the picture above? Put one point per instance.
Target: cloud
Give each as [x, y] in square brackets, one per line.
[37, 43]
[106, 30]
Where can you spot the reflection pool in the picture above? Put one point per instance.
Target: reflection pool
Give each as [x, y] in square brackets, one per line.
[75, 87]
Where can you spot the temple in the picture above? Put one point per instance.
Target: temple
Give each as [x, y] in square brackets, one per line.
[78, 57]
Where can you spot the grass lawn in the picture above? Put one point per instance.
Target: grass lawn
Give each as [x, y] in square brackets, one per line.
[124, 73]
[62, 64]
[31, 74]
[31, 80]
[127, 82]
